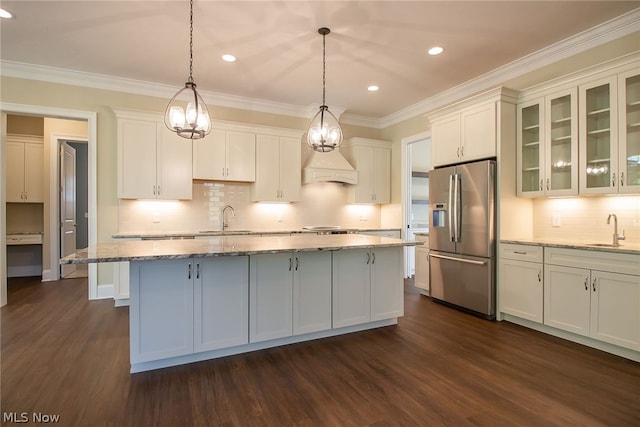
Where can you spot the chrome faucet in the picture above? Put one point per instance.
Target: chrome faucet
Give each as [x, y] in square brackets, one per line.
[616, 238]
[233, 213]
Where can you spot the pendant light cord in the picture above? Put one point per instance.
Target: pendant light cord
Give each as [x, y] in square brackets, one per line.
[190, 41]
[324, 63]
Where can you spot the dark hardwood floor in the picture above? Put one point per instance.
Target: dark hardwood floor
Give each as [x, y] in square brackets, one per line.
[66, 356]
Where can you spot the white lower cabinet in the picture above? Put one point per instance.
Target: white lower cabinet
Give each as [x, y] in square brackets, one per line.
[367, 285]
[220, 295]
[182, 306]
[582, 298]
[161, 309]
[521, 286]
[290, 294]
[421, 279]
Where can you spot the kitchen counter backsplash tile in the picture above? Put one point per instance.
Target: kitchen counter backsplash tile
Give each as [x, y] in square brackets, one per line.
[584, 219]
[321, 203]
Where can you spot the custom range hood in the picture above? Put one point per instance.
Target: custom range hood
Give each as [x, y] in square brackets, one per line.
[328, 167]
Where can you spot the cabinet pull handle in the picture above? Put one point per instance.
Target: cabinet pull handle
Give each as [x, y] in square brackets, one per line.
[189, 271]
[613, 179]
[297, 263]
[520, 252]
[222, 171]
[158, 190]
[227, 171]
[593, 283]
[197, 270]
[547, 184]
[368, 257]
[540, 185]
[586, 283]
[621, 179]
[539, 276]
[458, 152]
[290, 263]
[373, 255]
[462, 151]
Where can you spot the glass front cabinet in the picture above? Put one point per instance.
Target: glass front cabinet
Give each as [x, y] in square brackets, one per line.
[548, 146]
[629, 132]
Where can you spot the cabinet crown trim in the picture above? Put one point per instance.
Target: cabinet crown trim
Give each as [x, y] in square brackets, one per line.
[500, 93]
[366, 142]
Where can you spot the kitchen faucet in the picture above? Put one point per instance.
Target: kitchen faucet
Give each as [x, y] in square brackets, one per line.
[616, 238]
[233, 213]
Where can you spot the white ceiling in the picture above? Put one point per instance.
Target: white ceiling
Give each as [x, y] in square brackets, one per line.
[280, 52]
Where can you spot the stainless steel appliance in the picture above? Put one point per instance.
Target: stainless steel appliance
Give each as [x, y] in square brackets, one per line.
[462, 236]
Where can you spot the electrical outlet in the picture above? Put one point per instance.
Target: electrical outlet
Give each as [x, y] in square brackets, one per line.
[556, 221]
[156, 217]
[363, 218]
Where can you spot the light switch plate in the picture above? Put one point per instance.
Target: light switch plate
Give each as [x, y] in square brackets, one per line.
[556, 221]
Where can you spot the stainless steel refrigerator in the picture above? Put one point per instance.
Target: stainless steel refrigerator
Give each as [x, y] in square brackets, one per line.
[462, 236]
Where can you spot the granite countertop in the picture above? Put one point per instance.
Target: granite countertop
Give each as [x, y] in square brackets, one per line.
[190, 234]
[624, 248]
[144, 250]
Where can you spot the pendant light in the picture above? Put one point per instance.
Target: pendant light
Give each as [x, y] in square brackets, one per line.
[324, 133]
[192, 122]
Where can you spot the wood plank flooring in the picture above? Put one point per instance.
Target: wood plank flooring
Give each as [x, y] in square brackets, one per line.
[64, 355]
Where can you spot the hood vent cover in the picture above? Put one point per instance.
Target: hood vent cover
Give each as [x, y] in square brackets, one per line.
[328, 167]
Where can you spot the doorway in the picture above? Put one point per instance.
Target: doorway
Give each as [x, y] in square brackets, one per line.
[74, 204]
[51, 208]
[416, 164]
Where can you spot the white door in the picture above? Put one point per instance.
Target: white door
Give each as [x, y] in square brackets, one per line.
[67, 206]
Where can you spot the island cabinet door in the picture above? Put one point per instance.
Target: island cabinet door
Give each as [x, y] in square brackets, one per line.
[270, 296]
[387, 284]
[311, 292]
[351, 287]
[221, 302]
[161, 309]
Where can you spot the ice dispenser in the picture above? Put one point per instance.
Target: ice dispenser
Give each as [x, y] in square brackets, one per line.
[439, 215]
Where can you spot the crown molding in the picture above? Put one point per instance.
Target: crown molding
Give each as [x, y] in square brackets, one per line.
[593, 37]
[588, 39]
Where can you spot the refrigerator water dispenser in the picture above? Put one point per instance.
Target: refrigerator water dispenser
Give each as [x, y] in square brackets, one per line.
[439, 215]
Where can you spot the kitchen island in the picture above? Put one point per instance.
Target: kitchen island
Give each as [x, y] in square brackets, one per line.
[199, 299]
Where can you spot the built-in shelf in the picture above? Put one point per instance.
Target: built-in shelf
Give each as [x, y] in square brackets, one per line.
[598, 112]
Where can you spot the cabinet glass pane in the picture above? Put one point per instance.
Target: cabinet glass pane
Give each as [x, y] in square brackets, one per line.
[632, 148]
[530, 148]
[561, 138]
[598, 116]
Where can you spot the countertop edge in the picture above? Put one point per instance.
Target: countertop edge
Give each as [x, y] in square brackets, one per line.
[622, 249]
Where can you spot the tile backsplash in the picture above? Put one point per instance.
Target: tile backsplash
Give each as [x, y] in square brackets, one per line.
[320, 204]
[584, 219]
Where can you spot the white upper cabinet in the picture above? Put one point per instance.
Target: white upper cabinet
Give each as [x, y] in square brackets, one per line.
[548, 145]
[372, 159]
[629, 133]
[474, 128]
[153, 162]
[25, 165]
[599, 137]
[225, 155]
[469, 134]
[278, 173]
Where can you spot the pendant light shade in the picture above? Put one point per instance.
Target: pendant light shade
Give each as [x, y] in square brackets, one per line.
[324, 133]
[187, 114]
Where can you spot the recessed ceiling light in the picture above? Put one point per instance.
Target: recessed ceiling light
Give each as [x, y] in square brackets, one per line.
[436, 50]
[5, 14]
[373, 88]
[228, 57]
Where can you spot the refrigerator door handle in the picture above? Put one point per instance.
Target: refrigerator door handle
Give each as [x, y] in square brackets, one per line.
[452, 236]
[457, 207]
[467, 261]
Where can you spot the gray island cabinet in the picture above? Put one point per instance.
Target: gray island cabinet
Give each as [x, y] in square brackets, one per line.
[194, 300]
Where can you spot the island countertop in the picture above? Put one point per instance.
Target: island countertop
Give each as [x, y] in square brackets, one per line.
[225, 246]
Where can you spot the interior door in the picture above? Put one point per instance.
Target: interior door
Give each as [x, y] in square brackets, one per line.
[67, 206]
